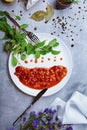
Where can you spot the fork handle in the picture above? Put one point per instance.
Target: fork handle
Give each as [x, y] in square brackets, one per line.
[16, 23]
[12, 19]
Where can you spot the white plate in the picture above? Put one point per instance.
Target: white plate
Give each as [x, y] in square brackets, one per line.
[67, 62]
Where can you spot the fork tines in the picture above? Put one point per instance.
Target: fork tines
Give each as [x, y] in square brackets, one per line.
[33, 37]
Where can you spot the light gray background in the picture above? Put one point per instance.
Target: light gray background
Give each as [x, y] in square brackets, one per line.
[12, 100]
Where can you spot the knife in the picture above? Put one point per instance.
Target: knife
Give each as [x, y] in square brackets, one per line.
[32, 103]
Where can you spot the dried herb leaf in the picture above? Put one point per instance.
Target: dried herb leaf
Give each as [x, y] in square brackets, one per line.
[38, 15]
[50, 12]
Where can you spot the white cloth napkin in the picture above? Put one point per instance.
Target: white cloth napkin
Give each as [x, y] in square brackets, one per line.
[30, 3]
[74, 111]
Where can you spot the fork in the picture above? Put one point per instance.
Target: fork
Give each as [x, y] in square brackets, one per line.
[31, 35]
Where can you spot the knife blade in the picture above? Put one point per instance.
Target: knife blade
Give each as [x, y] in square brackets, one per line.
[36, 98]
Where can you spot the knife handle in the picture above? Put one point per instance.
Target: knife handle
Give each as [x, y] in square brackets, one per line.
[34, 100]
[39, 95]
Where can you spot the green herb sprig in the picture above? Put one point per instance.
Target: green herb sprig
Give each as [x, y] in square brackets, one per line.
[72, 1]
[15, 42]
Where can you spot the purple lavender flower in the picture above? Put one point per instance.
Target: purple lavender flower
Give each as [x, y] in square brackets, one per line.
[32, 113]
[54, 111]
[11, 128]
[43, 121]
[40, 113]
[51, 128]
[35, 123]
[50, 111]
[24, 119]
[69, 128]
[59, 124]
[49, 122]
[56, 118]
[46, 110]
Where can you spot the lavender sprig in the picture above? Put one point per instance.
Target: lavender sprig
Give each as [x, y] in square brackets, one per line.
[46, 120]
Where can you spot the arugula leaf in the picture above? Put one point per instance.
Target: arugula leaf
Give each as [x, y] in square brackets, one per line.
[52, 42]
[23, 26]
[40, 44]
[7, 46]
[16, 49]
[17, 44]
[18, 17]
[2, 13]
[23, 43]
[23, 36]
[3, 24]
[30, 49]
[54, 52]
[37, 54]
[49, 50]
[10, 31]
[56, 44]
[5, 37]
[43, 52]
[20, 37]
[45, 47]
[23, 56]
[13, 41]
[14, 61]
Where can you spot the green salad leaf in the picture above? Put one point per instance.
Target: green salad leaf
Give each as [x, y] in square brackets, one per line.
[18, 17]
[2, 13]
[23, 56]
[37, 54]
[23, 26]
[14, 61]
[16, 43]
[55, 52]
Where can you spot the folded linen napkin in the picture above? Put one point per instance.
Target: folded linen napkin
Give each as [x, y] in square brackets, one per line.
[30, 3]
[74, 111]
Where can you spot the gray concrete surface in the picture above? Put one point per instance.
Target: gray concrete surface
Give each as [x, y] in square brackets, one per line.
[12, 100]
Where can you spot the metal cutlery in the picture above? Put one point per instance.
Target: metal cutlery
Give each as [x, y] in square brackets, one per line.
[35, 39]
[32, 103]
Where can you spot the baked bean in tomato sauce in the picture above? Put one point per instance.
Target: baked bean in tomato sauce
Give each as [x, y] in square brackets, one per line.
[26, 61]
[40, 78]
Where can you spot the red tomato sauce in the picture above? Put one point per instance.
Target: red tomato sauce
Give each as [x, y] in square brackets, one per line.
[40, 78]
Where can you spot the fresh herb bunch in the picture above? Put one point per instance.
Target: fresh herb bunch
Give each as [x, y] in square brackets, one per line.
[17, 44]
[71, 1]
[46, 120]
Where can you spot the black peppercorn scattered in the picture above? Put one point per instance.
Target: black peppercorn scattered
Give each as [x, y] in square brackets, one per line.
[72, 45]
